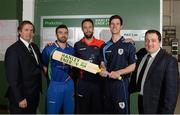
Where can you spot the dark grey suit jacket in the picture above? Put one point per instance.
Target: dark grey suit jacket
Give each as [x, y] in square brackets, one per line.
[161, 86]
[22, 71]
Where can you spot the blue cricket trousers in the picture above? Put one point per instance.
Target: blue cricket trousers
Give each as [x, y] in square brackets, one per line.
[60, 96]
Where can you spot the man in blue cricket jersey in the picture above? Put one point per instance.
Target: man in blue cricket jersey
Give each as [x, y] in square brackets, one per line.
[60, 94]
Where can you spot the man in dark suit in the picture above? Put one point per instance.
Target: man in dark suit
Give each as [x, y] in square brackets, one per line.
[23, 71]
[156, 77]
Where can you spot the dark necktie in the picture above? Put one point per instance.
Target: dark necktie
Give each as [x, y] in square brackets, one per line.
[142, 72]
[31, 50]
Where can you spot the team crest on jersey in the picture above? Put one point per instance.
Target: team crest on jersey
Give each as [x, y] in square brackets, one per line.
[120, 51]
[122, 105]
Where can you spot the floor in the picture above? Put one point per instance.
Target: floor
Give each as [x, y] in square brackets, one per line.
[3, 109]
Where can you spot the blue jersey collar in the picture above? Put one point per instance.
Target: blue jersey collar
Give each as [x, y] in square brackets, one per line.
[122, 39]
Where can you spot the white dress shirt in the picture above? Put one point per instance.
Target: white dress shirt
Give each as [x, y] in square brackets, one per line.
[153, 55]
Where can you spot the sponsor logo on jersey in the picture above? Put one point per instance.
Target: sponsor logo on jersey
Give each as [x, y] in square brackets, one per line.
[81, 49]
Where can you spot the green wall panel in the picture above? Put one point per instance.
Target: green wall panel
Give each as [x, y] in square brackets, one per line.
[136, 14]
[11, 9]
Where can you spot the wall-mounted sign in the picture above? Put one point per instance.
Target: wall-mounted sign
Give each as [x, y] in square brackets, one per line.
[101, 30]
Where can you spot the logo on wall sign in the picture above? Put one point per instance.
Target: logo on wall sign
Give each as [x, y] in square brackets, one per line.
[120, 51]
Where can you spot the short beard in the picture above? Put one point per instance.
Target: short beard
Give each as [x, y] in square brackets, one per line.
[88, 36]
[62, 40]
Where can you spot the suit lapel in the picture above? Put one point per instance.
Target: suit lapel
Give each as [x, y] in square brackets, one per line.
[25, 49]
[155, 63]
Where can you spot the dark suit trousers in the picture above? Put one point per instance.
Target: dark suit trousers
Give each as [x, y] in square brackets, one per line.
[140, 104]
[32, 103]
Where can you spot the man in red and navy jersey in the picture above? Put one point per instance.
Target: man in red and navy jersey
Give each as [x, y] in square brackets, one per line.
[89, 86]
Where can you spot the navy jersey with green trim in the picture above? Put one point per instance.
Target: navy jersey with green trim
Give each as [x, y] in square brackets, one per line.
[57, 71]
[119, 55]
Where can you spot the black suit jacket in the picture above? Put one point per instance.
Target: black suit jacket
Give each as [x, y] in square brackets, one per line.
[161, 86]
[22, 71]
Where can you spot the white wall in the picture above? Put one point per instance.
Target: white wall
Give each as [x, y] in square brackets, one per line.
[28, 10]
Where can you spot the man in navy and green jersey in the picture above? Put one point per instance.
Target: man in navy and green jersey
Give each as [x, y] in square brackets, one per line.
[89, 86]
[118, 60]
[60, 94]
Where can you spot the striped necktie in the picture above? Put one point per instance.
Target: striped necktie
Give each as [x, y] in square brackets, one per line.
[31, 50]
[142, 72]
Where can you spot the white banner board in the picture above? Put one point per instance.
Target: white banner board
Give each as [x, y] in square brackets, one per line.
[101, 28]
[8, 35]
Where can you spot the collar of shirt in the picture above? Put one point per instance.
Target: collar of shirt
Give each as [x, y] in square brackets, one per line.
[154, 54]
[121, 39]
[84, 40]
[25, 42]
[57, 45]
[95, 42]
